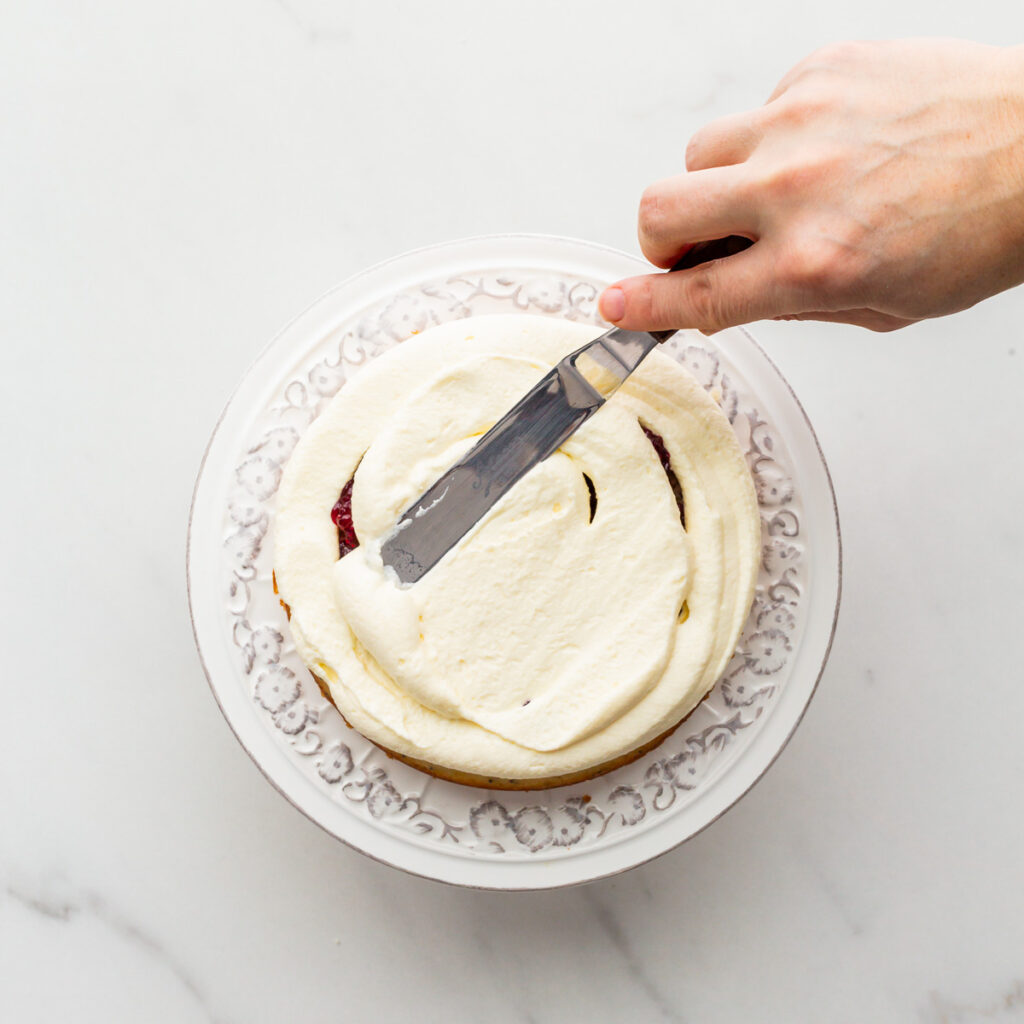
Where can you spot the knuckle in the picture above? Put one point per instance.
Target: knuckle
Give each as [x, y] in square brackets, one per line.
[801, 105]
[797, 178]
[818, 83]
[830, 265]
[809, 266]
[653, 217]
[702, 296]
[695, 149]
[777, 182]
[729, 140]
[748, 188]
[798, 74]
[839, 53]
[653, 252]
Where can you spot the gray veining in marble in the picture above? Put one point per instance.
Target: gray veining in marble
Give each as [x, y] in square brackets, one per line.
[65, 905]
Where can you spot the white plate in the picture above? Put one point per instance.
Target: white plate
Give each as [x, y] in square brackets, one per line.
[391, 812]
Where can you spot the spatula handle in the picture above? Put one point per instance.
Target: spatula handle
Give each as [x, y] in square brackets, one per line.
[704, 252]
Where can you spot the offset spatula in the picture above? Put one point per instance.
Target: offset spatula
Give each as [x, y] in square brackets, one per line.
[531, 431]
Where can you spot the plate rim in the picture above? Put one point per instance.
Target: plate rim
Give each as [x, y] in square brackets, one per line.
[441, 859]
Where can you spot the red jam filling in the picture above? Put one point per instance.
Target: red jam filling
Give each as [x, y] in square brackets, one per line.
[341, 516]
[658, 443]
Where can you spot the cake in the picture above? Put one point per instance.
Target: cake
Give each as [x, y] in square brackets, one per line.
[585, 615]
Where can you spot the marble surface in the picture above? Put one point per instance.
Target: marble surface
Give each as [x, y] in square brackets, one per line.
[176, 182]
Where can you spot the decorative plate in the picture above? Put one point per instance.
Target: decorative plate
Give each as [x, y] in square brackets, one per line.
[531, 840]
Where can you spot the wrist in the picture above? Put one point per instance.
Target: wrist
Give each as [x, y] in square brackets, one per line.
[1010, 98]
[1012, 101]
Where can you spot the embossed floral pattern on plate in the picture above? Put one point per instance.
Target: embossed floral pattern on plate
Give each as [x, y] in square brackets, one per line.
[474, 822]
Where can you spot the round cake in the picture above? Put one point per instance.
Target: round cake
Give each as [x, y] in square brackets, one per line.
[585, 615]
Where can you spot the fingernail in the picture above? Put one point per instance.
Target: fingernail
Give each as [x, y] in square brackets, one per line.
[613, 304]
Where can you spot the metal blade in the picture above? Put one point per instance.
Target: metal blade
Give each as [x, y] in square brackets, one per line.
[534, 429]
[564, 400]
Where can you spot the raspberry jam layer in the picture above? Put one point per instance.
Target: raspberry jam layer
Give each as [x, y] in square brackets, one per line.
[341, 516]
[658, 442]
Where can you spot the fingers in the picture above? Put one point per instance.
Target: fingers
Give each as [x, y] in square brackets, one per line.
[723, 143]
[695, 207]
[715, 295]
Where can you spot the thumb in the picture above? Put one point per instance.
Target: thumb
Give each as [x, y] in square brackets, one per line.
[722, 293]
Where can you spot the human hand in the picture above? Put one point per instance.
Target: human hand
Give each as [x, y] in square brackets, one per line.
[882, 183]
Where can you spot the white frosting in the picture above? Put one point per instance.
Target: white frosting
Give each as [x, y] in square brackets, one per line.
[543, 643]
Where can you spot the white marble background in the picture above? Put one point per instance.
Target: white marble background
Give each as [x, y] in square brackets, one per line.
[177, 181]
